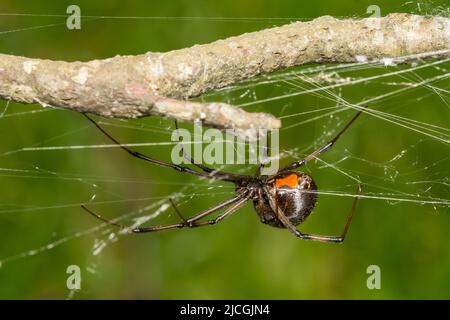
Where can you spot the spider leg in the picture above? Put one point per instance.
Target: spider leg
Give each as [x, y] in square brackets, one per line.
[327, 146]
[223, 176]
[221, 205]
[121, 226]
[334, 239]
[188, 158]
[177, 211]
[239, 199]
[191, 223]
[212, 172]
[227, 213]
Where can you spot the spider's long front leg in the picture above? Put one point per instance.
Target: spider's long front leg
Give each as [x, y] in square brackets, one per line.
[334, 239]
[327, 146]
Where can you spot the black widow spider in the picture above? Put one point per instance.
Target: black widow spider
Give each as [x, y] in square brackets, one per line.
[282, 200]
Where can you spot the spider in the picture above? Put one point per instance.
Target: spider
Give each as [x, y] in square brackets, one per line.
[282, 200]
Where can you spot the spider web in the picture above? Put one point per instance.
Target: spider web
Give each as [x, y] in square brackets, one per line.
[314, 102]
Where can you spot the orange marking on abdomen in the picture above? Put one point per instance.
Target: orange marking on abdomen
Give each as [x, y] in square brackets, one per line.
[290, 181]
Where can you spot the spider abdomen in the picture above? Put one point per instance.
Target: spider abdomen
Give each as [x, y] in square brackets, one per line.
[294, 193]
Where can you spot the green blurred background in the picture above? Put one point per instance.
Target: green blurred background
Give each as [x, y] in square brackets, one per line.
[239, 258]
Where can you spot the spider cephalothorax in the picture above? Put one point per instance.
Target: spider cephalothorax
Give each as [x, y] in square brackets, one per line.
[283, 200]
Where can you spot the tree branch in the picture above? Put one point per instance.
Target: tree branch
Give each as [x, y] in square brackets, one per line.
[158, 83]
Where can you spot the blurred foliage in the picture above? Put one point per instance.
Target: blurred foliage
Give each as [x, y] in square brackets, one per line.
[240, 258]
